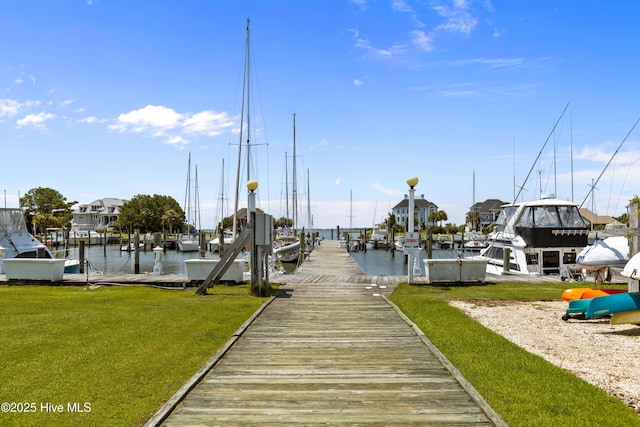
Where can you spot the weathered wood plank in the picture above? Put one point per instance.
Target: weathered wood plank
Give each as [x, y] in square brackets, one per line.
[330, 353]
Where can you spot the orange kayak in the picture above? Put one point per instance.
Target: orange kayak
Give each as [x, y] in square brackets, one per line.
[587, 293]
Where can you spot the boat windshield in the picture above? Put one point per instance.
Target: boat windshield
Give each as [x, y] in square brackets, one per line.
[505, 214]
[12, 221]
[570, 217]
[551, 217]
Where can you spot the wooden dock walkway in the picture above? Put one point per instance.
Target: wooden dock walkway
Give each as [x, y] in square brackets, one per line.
[330, 350]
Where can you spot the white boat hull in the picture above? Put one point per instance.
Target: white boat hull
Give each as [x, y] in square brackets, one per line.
[188, 245]
[288, 253]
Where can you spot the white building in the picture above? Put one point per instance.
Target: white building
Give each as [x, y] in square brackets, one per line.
[422, 208]
[98, 215]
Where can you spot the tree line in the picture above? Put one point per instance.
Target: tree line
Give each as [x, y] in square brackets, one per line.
[47, 208]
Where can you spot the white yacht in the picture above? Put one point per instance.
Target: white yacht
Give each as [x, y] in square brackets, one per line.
[18, 243]
[543, 237]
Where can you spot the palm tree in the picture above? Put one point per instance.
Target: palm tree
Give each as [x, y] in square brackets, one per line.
[169, 219]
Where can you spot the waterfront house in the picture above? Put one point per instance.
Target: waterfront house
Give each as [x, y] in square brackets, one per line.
[97, 215]
[488, 210]
[421, 210]
[594, 221]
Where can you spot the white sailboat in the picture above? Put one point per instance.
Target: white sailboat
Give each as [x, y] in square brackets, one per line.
[188, 242]
[223, 237]
[287, 243]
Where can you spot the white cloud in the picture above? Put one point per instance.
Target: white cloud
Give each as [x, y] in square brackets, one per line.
[90, 119]
[9, 107]
[337, 182]
[207, 123]
[35, 120]
[163, 122]
[358, 82]
[401, 6]
[457, 19]
[177, 141]
[19, 81]
[421, 40]
[387, 191]
[150, 118]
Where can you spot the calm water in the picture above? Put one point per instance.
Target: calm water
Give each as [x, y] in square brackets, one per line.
[117, 262]
[375, 262]
[379, 262]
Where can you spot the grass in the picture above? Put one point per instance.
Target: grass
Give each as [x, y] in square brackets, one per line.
[124, 351]
[523, 388]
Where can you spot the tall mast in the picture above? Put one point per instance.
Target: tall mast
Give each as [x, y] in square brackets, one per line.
[286, 185]
[308, 205]
[221, 230]
[245, 90]
[187, 195]
[294, 189]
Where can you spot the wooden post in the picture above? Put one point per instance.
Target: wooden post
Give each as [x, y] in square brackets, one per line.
[136, 249]
[203, 243]
[81, 256]
[634, 246]
[506, 260]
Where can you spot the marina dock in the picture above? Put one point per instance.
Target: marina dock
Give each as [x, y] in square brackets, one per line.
[329, 350]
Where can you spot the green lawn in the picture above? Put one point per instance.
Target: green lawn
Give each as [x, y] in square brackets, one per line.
[124, 351]
[524, 389]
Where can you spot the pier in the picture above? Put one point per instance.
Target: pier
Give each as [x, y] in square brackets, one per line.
[330, 349]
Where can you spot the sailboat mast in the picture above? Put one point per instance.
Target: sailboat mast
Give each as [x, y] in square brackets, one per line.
[222, 199]
[187, 195]
[245, 87]
[308, 205]
[473, 209]
[196, 203]
[294, 189]
[286, 186]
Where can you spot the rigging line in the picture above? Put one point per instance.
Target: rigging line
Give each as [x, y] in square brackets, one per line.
[626, 175]
[614, 154]
[541, 150]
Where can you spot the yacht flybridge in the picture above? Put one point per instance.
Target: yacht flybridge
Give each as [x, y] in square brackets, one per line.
[543, 237]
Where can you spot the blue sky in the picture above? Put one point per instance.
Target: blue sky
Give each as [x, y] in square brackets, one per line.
[108, 98]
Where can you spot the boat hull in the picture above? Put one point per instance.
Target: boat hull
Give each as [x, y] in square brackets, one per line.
[611, 304]
[626, 317]
[288, 253]
[188, 246]
[588, 293]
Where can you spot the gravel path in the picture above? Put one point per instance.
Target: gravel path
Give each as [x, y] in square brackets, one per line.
[605, 355]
